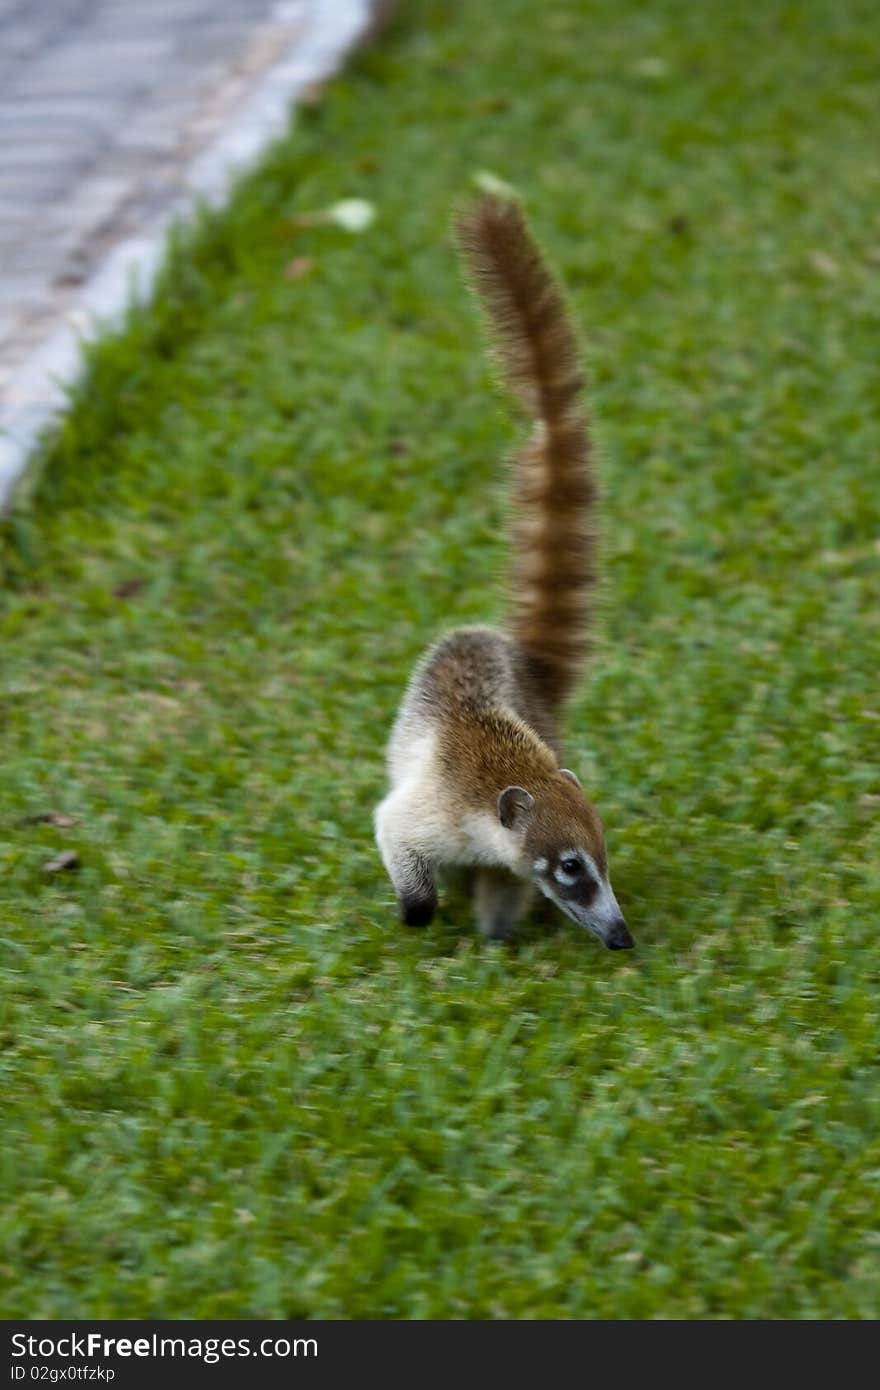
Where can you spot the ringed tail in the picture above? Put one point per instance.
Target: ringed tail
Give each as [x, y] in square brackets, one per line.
[555, 489]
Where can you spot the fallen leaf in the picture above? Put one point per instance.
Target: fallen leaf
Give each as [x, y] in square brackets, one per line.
[824, 264]
[67, 859]
[488, 182]
[50, 818]
[298, 267]
[651, 67]
[128, 588]
[354, 214]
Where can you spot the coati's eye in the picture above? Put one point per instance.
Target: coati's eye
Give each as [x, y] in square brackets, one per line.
[571, 865]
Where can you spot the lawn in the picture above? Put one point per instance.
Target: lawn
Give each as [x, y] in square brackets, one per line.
[232, 1084]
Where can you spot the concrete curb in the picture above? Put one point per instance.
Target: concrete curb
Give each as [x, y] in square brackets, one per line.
[330, 28]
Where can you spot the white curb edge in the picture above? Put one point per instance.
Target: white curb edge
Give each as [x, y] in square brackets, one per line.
[40, 386]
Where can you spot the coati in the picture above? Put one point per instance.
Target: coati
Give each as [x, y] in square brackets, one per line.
[474, 755]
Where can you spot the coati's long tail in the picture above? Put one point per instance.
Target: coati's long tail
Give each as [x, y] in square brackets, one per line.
[555, 489]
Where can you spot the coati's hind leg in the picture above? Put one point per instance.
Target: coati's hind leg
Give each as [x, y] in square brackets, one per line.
[501, 900]
[410, 872]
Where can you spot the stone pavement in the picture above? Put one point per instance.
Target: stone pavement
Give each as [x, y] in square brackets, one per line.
[106, 107]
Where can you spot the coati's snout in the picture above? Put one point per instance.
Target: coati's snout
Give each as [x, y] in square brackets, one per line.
[619, 939]
[563, 846]
[572, 879]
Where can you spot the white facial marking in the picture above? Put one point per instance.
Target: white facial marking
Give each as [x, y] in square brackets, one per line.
[591, 865]
[568, 879]
[540, 866]
[607, 907]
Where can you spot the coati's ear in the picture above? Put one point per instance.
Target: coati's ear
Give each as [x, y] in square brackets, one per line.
[514, 805]
[567, 773]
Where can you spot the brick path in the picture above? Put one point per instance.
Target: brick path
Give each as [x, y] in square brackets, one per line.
[104, 107]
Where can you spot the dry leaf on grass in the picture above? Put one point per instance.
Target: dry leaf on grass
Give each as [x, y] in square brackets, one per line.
[352, 214]
[68, 859]
[824, 264]
[50, 818]
[487, 182]
[298, 267]
[128, 588]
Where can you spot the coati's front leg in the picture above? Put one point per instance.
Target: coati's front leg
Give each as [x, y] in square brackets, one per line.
[501, 901]
[410, 872]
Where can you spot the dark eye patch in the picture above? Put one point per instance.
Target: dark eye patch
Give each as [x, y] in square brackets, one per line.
[582, 883]
[590, 888]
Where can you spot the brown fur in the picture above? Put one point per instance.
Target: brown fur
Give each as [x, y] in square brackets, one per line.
[562, 816]
[555, 488]
[482, 751]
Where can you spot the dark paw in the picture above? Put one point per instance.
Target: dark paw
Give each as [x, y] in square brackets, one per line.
[417, 912]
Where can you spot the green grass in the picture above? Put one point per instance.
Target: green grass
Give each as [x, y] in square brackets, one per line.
[232, 1084]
